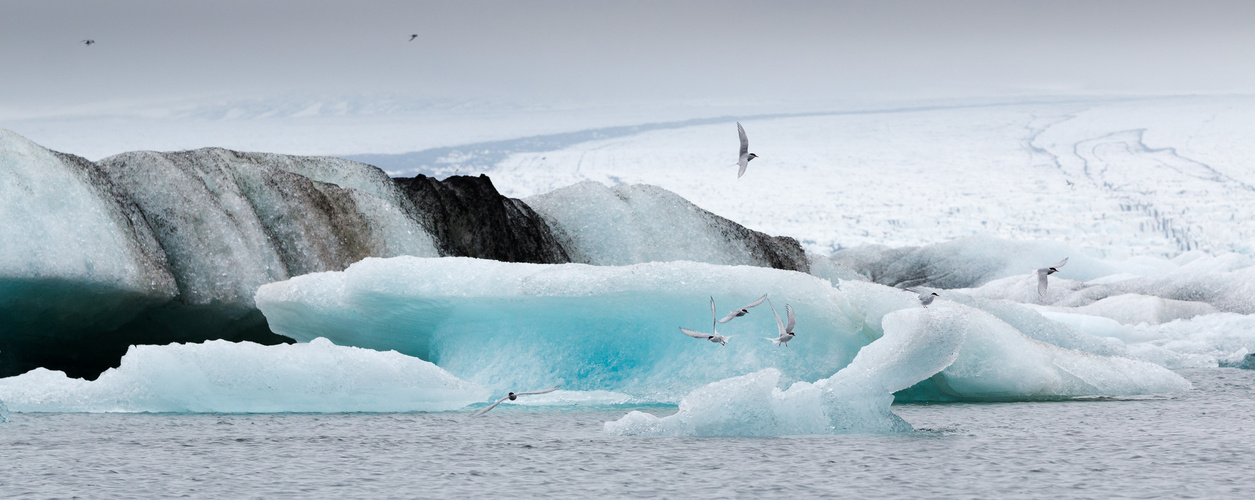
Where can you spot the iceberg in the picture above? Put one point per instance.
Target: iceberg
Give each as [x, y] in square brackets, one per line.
[220, 376]
[4, 412]
[614, 226]
[917, 344]
[615, 328]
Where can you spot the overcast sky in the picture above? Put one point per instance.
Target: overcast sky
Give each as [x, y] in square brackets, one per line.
[537, 51]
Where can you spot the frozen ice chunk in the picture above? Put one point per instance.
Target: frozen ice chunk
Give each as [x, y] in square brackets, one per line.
[917, 344]
[974, 261]
[998, 362]
[508, 325]
[643, 223]
[615, 328]
[4, 412]
[220, 376]
[1132, 309]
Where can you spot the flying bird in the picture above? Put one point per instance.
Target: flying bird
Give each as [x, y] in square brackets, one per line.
[925, 298]
[742, 311]
[412, 37]
[88, 42]
[1043, 273]
[786, 331]
[716, 338]
[513, 396]
[743, 160]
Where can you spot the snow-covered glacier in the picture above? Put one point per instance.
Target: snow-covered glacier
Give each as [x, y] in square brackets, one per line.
[616, 328]
[228, 377]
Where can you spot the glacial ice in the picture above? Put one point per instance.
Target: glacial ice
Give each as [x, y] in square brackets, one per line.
[221, 376]
[917, 343]
[615, 328]
[4, 412]
[642, 223]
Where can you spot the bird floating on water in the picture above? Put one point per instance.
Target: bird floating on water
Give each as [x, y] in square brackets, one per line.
[513, 396]
[925, 298]
[716, 338]
[1043, 273]
[743, 160]
[786, 330]
[742, 311]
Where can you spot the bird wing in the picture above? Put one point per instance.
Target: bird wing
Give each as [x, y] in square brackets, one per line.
[546, 391]
[729, 317]
[1060, 264]
[921, 294]
[788, 311]
[779, 322]
[696, 335]
[756, 302]
[494, 405]
[745, 143]
[744, 162]
[1041, 282]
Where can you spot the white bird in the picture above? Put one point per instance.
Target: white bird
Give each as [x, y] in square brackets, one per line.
[786, 331]
[1043, 273]
[744, 159]
[513, 396]
[716, 338]
[924, 297]
[742, 311]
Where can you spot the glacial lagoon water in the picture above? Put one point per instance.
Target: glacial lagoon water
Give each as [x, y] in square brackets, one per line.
[1198, 444]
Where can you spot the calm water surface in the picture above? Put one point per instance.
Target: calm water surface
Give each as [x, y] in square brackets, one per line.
[1196, 445]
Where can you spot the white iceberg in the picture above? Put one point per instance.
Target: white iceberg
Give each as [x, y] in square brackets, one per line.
[220, 376]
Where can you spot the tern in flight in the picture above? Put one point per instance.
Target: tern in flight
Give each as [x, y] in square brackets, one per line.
[786, 331]
[88, 42]
[924, 297]
[743, 160]
[412, 37]
[742, 311]
[513, 396]
[1043, 273]
[716, 338]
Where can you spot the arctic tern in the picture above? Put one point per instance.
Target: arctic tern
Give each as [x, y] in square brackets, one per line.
[513, 396]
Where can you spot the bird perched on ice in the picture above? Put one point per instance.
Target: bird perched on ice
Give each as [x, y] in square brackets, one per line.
[786, 330]
[925, 298]
[742, 311]
[1043, 273]
[513, 396]
[716, 338]
[744, 159]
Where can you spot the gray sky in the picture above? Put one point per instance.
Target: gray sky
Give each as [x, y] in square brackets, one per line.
[537, 51]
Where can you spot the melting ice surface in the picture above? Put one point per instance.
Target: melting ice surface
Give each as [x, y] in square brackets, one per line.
[221, 376]
[615, 328]
[917, 343]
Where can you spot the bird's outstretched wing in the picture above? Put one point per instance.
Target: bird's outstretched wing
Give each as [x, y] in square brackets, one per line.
[779, 322]
[756, 302]
[1061, 263]
[745, 144]
[1041, 281]
[494, 405]
[744, 163]
[917, 292]
[696, 335]
[545, 391]
[788, 311]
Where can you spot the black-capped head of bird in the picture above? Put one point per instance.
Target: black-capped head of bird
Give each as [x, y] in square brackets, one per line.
[1051, 271]
[751, 157]
[513, 396]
